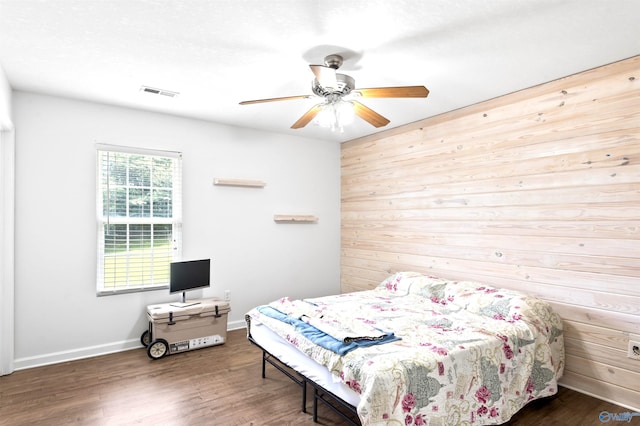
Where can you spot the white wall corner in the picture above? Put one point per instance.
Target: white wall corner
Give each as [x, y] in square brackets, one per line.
[7, 264]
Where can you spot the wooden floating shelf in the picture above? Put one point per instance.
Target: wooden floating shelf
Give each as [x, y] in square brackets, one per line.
[295, 218]
[247, 183]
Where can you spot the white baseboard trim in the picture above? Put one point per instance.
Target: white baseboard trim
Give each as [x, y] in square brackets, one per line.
[74, 354]
[92, 351]
[236, 325]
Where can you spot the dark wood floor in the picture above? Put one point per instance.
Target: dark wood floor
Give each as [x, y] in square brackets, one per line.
[219, 385]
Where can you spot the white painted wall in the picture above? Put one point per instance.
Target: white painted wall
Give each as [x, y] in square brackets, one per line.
[7, 182]
[58, 315]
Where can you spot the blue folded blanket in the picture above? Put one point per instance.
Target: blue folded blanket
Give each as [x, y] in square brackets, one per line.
[321, 338]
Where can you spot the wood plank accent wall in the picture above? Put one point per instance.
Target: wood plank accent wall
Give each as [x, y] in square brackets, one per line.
[538, 190]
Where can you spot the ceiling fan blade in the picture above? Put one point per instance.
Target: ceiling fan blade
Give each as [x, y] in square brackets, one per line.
[307, 117]
[394, 92]
[369, 115]
[326, 76]
[286, 98]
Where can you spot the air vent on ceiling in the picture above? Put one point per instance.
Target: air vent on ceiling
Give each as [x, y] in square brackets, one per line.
[162, 92]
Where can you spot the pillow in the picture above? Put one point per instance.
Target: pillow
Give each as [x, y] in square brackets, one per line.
[489, 301]
[399, 283]
[431, 288]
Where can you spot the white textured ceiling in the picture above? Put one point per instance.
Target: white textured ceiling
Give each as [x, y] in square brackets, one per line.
[217, 53]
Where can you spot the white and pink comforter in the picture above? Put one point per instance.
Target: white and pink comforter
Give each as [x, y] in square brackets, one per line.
[467, 353]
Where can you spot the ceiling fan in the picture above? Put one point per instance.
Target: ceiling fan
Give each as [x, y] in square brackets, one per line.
[338, 91]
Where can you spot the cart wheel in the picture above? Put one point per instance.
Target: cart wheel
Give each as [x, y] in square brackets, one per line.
[145, 339]
[157, 349]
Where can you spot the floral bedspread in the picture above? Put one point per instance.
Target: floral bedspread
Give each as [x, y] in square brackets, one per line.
[468, 354]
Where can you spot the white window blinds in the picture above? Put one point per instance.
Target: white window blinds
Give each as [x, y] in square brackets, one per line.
[139, 211]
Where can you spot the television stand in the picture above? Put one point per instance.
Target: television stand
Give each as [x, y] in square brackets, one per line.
[184, 303]
[178, 327]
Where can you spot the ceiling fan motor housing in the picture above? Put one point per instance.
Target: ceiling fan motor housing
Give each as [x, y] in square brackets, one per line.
[333, 61]
[345, 85]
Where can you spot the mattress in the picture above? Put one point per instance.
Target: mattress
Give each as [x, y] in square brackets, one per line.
[289, 355]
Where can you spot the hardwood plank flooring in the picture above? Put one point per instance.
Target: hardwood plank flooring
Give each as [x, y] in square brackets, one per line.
[220, 385]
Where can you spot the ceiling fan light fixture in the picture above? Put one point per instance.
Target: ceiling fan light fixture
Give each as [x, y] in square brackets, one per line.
[335, 115]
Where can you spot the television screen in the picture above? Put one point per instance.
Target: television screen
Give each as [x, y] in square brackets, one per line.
[189, 275]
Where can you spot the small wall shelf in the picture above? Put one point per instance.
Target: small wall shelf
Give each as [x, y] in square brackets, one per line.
[295, 218]
[247, 183]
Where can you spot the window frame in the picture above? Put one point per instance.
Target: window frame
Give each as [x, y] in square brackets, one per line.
[102, 219]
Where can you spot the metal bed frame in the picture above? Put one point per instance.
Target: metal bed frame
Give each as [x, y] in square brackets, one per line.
[320, 394]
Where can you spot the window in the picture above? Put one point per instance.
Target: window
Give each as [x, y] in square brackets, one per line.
[139, 209]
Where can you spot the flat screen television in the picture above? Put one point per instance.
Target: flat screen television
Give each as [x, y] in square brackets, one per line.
[189, 275]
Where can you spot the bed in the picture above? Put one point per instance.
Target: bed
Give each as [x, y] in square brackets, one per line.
[416, 350]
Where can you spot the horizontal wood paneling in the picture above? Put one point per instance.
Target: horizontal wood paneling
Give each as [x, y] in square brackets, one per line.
[597, 387]
[594, 334]
[537, 191]
[604, 372]
[595, 353]
[613, 320]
